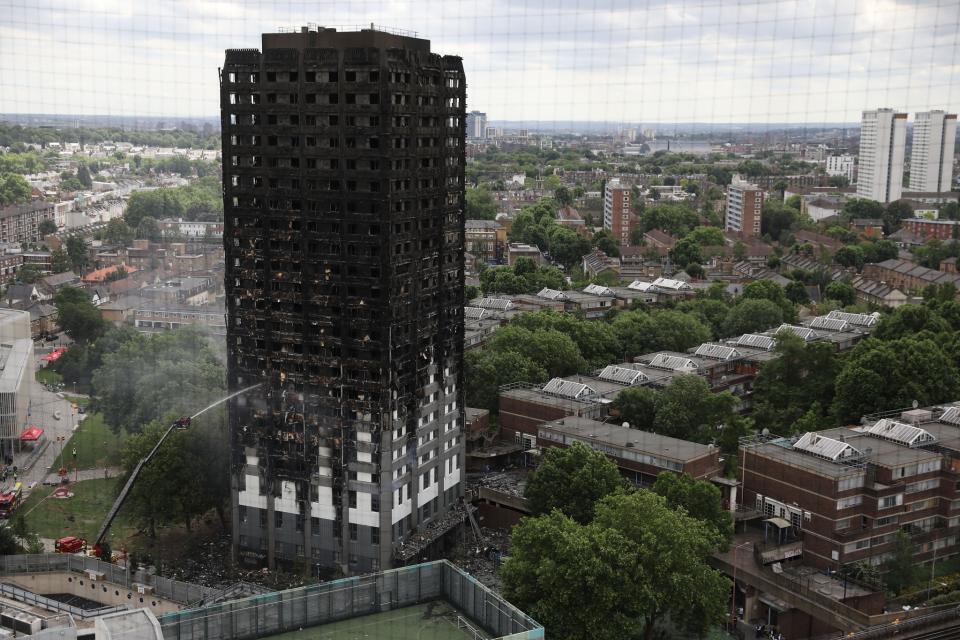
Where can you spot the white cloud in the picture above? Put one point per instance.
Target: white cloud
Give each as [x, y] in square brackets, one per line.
[620, 60]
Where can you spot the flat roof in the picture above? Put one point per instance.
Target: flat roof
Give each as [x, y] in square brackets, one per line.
[625, 437]
[14, 362]
[437, 620]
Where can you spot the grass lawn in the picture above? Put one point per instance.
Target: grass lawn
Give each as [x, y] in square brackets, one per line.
[48, 376]
[80, 515]
[97, 446]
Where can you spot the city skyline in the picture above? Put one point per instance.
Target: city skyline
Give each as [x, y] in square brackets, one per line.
[661, 62]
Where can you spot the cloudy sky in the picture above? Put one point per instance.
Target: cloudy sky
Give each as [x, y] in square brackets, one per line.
[646, 61]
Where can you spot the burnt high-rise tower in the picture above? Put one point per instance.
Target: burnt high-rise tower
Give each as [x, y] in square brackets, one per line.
[343, 160]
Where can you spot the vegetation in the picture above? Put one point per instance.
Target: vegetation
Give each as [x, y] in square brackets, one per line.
[202, 199]
[637, 563]
[77, 315]
[700, 499]
[523, 277]
[13, 189]
[144, 377]
[572, 480]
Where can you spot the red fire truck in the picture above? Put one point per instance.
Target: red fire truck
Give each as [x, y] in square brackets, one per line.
[10, 500]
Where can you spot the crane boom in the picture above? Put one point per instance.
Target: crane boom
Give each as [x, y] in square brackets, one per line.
[143, 461]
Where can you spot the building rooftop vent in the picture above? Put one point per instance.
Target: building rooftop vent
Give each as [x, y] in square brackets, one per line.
[568, 389]
[640, 285]
[900, 432]
[597, 290]
[827, 448]
[623, 375]
[755, 340]
[801, 332]
[859, 319]
[717, 351]
[551, 294]
[951, 416]
[673, 363]
[830, 324]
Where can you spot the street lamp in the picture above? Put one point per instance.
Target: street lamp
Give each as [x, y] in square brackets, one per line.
[733, 596]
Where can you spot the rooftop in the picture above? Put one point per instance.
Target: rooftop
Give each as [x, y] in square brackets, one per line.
[625, 437]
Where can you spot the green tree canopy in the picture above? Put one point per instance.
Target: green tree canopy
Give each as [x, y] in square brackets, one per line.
[480, 204]
[842, 292]
[77, 315]
[556, 352]
[486, 370]
[785, 386]
[14, 189]
[700, 499]
[751, 315]
[572, 480]
[687, 409]
[880, 374]
[637, 406]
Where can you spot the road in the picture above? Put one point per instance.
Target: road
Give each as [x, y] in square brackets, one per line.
[43, 405]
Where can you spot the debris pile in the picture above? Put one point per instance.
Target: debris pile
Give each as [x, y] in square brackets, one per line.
[426, 534]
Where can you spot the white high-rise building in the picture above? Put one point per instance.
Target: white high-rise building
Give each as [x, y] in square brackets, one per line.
[476, 125]
[841, 166]
[931, 161]
[883, 139]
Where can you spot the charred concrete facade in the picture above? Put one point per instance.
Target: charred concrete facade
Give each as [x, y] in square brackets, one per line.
[344, 228]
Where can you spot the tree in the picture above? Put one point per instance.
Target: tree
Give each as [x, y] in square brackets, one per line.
[797, 293]
[59, 261]
[909, 320]
[480, 204]
[596, 341]
[486, 370]
[838, 181]
[144, 377]
[572, 480]
[637, 406]
[785, 385]
[28, 274]
[567, 246]
[83, 176]
[46, 227]
[700, 499]
[664, 571]
[563, 197]
[180, 482]
[894, 214]
[902, 569]
[777, 218]
[604, 241]
[568, 577]
[707, 236]
[148, 229]
[686, 251]
[842, 292]
[78, 252]
[861, 208]
[549, 348]
[750, 315]
[14, 189]
[118, 274]
[880, 375]
[687, 409]
[77, 315]
[638, 332]
[850, 256]
[118, 232]
[676, 219]
[769, 290]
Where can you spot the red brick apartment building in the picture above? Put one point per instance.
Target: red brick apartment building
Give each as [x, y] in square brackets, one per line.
[848, 491]
[617, 216]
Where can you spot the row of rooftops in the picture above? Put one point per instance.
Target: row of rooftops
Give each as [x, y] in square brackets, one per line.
[661, 367]
[915, 436]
